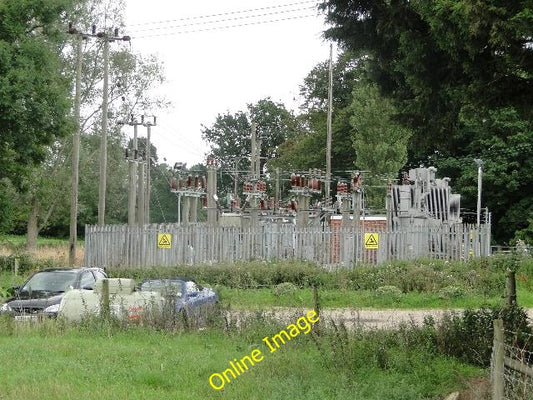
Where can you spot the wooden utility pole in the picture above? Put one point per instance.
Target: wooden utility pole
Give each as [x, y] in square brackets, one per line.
[256, 153]
[133, 160]
[103, 142]
[73, 236]
[277, 193]
[148, 165]
[141, 207]
[211, 193]
[329, 124]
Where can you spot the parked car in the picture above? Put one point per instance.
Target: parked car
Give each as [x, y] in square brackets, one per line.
[124, 301]
[183, 294]
[41, 294]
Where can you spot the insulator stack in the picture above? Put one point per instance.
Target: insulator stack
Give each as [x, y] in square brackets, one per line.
[293, 206]
[180, 182]
[204, 184]
[342, 188]
[293, 179]
[189, 180]
[196, 181]
[173, 183]
[262, 204]
[298, 179]
[204, 201]
[126, 153]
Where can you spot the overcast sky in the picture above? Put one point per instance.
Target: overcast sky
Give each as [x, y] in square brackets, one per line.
[211, 70]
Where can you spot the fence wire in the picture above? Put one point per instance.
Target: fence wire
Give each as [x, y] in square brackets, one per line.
[518, 384]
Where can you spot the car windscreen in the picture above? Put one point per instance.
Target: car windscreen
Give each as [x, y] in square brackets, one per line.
[50, 281]
[164, 286]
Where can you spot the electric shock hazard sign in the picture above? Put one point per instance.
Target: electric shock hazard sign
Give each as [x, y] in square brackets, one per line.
[164, 240]
[371, 241]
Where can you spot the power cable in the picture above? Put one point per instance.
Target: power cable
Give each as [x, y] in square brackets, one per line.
[223, 14]
[224, 27]
[243, 17]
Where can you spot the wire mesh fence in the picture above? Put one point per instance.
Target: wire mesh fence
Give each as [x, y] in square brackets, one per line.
[512, 364]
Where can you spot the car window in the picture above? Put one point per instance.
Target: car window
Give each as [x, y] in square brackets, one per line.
[50, 281]
[163, 286]
[99, 275]
[192, 287]
[87, 280]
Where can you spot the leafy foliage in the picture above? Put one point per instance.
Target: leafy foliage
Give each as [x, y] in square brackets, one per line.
[460, 74]
[34, 103]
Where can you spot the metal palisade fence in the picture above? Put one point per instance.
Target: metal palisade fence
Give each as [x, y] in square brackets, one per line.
[172, 244]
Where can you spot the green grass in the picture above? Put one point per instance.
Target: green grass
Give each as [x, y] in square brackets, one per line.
[139, 363]
[20, 240]
[330, 298]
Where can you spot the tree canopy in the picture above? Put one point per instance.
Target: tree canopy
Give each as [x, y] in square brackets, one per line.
[34, 95]
[460, 74]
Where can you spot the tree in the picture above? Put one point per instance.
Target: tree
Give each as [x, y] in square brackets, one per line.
[34, 95]
[307, 149]
[42, 205]
[456, 71]
[380, 141]
[230, 136]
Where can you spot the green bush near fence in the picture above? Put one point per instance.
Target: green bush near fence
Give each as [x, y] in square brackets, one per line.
[484, 277]
[27, 263]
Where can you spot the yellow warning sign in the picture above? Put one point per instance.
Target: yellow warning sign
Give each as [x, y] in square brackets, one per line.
[164, 240]
[371, 241]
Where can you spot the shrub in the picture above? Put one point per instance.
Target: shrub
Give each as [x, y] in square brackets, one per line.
[469, 336]
[284, 288]
[451, 292]
[389, 291]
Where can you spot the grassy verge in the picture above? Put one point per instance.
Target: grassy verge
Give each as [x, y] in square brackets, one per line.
[138, 363]
[20, 240]
[258, 299]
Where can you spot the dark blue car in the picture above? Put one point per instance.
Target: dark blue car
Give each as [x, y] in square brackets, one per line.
[183, 294]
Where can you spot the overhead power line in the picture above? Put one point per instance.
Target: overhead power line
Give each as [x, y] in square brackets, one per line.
[217, 21]
[224, 13]
[215, 28]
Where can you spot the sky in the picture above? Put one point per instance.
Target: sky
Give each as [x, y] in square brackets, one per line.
[212, 69]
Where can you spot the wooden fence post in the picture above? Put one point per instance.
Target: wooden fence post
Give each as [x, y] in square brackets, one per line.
[17, 264]
[104, 299]
[510, 288]
[316, 302]
[498, 359]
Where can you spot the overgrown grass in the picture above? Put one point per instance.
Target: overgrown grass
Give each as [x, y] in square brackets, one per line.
[104, 361]
[20, 241]
[481, 276]
[330, 298]
[420, 284]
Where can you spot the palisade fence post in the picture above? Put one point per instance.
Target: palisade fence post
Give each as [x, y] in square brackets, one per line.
[104, 299]
[498, 354]
[17, 264]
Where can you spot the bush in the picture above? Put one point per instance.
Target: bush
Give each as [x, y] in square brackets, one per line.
[284, 288]
[484, 277]
[451, 292]
[469, 336]
[389, 291]
[27, 263]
